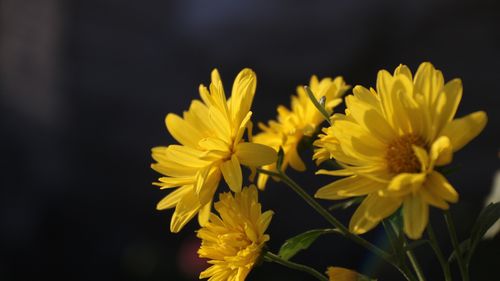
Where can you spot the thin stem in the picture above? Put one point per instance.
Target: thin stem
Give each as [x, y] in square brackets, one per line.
[397, 249]
[456, 246]
[332, 220]
[270, 257]
[415, 264]
[439, 254]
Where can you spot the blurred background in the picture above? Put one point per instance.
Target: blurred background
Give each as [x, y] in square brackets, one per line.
[85, 86]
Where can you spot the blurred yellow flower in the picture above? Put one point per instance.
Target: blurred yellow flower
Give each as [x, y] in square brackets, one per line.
[343, 274]
[301, 120]
[389, 142]
[211, 141]
[233, 241]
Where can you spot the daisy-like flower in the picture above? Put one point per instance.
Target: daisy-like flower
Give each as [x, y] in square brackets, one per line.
[389, 143]
[302, 120]
[233, 241]
[211, 146]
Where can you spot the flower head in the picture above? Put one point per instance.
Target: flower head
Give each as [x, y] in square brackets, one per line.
[211, 146]
[389, 142]
[233, 241]
[302, 120]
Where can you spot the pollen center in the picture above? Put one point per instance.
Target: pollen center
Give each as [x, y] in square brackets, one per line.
[400, 156]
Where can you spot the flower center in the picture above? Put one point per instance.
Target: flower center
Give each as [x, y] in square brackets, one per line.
[400, 156]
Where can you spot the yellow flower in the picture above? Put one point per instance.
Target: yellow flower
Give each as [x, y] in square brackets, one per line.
[343, 274]
[301, 120]
[233, 241]
[389, 142]
[211, 141]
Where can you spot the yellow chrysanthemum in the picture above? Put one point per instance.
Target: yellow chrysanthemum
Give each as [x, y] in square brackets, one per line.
[389, 142]
[211, 137]
[343, 274]
[233, 241]
[301, 120]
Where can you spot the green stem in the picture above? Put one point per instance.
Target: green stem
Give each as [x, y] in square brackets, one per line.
[270, 257]
[439, 254]
[415, 264]
[397, 249]
[456, 246]
[332, 220]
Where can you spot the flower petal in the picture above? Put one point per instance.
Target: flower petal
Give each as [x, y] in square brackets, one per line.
[441, 151]
[231, 170]
[372, 210]
[204, 213]
[415, 216]
[440, 186]
[462, 130]
[348, 187]
[187, 207]
[254, 154]
[403, 184]
[182, 131]
[173, 197]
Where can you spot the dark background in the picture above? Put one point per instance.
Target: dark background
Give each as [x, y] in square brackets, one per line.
[85, 86]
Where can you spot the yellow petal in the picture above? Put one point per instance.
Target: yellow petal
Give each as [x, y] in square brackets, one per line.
[204, 213]
[403, 70]
[173, 197]
[169, 182]
[441, 187]
[211, 143]
[403, 184]
[462, 130]
[430, 197]
[254, 154]
[242, 94]
[231, 171]
[441, 151]
[182, 131]
[187, 207]
[264, 220]
[206, 183]
[341, 172]
[348, 187]
[448, 102]
[415, 216]
[342, 274]
[372, 210]
[186, 156]
[295, 161]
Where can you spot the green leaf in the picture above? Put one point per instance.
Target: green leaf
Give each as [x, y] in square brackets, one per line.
[464, 249]
[346, 204]
[301, 242]
[485, 220]
[316, 103]
[279, 162]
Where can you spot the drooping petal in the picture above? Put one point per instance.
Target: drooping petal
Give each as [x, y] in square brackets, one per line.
[462, 130]
[185, 210]
[415, 216]
[204, 213]
[440, 187]
[254, 154]
[231, 170]
[173, 197]
[371, 211]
